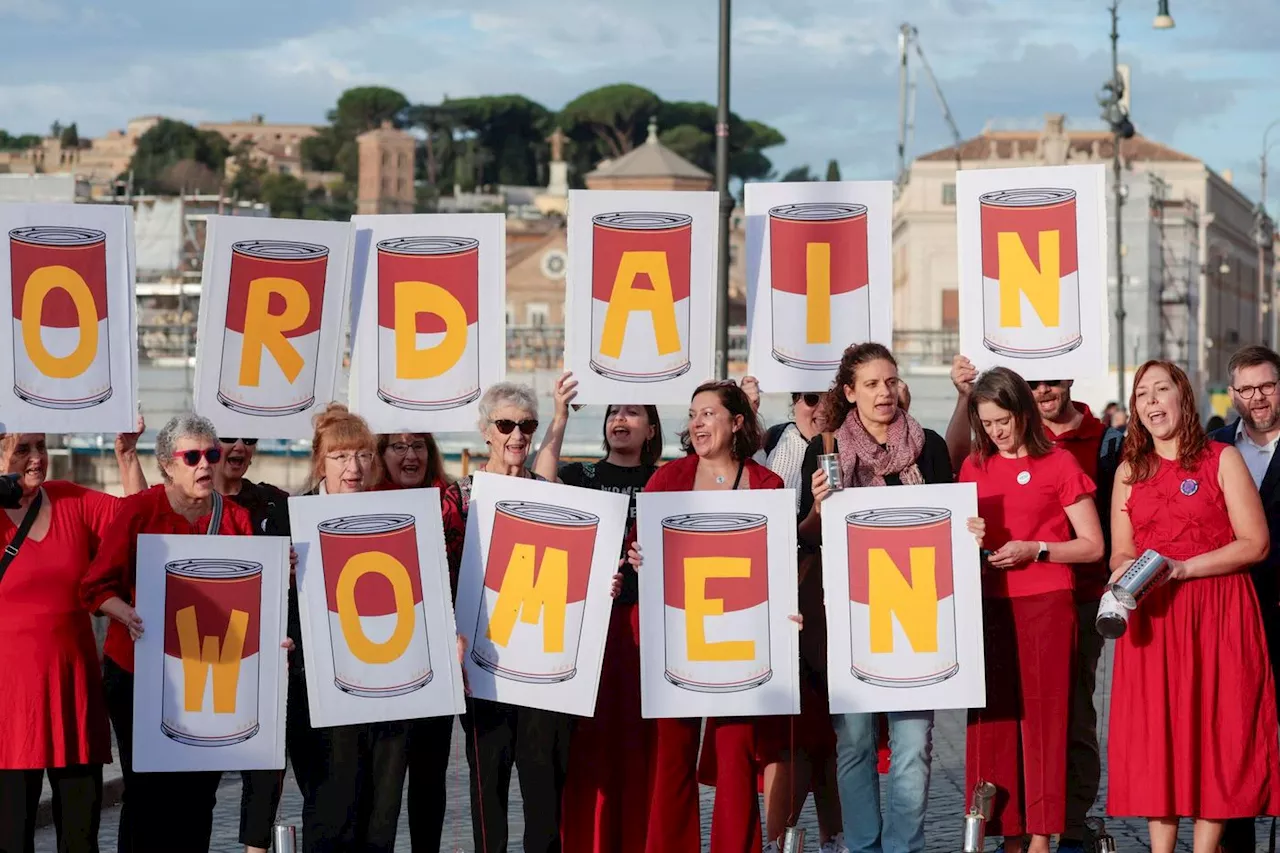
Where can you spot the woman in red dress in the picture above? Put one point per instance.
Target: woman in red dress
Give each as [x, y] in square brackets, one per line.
[1193, 728]
[1038, 521]
[52, 717]
[161, 811]
[722, 435]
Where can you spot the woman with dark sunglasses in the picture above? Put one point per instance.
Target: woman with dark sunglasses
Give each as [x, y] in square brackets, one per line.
[499, 736]
[161, 811]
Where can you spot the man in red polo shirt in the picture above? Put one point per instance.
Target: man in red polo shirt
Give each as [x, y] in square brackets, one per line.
[1097, 448]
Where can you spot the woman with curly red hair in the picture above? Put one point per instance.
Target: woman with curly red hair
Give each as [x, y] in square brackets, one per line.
[1193, 714]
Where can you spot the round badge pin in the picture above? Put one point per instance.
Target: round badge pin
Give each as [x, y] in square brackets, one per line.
[1024, 477]
[1190, 487]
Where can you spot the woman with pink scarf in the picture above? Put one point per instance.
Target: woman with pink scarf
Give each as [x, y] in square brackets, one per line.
[879, 444]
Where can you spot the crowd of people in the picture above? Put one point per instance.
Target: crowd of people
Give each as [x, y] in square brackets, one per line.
[1066, 502]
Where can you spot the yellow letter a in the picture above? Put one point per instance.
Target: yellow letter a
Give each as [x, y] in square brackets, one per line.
[624, 299]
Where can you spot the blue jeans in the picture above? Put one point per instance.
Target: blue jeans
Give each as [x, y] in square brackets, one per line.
[911, 742]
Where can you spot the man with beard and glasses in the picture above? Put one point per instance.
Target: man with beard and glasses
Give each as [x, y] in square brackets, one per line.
[1254, 373]
[1096, 446]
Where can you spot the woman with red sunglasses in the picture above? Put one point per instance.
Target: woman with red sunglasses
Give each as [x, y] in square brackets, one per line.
[160, 811]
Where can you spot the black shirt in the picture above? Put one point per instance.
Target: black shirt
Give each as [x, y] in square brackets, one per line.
[607, 477]
[269, 511]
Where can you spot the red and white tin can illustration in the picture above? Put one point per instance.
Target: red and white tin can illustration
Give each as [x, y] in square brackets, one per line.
[902, 616]
[820, 282]
[428, 322]
[274, 309]
[212, 631]
[61, 338]
[536, 577]
[1030, 272]
[640, 311]
[377, 621]
[716, 588]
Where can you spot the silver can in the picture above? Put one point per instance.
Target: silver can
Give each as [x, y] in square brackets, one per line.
[830, 463]
[793, 840]
[284, 839]
[1113, 617]
[1146, 573]
[975, 833]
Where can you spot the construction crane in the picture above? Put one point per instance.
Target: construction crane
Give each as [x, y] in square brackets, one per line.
[908, 38]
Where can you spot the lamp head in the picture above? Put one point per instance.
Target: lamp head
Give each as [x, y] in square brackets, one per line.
[1163, 21]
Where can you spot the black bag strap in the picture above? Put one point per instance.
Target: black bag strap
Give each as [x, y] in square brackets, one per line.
[215, 517]
[11, 551]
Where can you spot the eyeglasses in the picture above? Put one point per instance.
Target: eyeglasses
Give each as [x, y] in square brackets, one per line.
[362, 457]
[1052, 383]
[1246, 392]
[810, 400]
[192, 457]
[402, 449]
[505, 426]
[248, 442]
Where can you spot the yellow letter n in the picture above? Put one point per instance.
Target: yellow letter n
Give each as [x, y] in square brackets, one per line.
[915, 604]
[697, 607]
[198, 659]
[625, 298]
[522, 596]
[1019, 275]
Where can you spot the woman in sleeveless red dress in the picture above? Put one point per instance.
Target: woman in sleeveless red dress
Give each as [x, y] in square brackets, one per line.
[1193, 729]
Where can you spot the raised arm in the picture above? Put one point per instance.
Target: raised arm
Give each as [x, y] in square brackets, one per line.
[958, 438]
[547, 462]
[132, 480]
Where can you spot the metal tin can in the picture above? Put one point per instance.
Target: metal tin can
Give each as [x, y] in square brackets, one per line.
[377, 621]
[535, 592]
[1113, 617]
[793, 840]
[1030, 272]
[284, 839]
[830, 463]
[428, 322]
[819, 272]
[1146, 573]
[274, 309]
[901, 594]
[640, 272]
[975, 833]
[212, 633]
[716, 590]
[61, 338]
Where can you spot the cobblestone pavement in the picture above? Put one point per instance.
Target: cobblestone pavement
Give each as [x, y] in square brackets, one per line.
[942, 829]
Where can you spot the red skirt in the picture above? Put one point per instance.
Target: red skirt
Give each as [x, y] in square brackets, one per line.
[51, 705]
[1193, 729]
[606, 789]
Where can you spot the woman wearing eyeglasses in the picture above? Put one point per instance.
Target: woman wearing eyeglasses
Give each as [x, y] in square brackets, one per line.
[53, 720]
[160, 811]
[412, 460]
[498, 735]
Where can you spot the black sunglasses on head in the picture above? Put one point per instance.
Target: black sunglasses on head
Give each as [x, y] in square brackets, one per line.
[505, 426]
[810, 400]
[248, 442]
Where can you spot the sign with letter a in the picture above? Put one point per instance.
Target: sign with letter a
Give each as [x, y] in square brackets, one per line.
[903, 591]
[271, 323]
[640, 295]
[819, 278]
[716, 590]
[429, 322]
[1033, 268]
[374, 599]
[533, 591]
[70, 361]
[209, 690]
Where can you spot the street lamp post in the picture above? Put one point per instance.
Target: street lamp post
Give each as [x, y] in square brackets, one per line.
[726, 200]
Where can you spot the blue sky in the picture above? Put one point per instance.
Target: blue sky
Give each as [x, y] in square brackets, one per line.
[822, 71]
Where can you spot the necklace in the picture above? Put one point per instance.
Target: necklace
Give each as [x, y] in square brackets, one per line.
[720, 478]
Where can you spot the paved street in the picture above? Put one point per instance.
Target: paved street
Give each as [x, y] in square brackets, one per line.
[943, 829]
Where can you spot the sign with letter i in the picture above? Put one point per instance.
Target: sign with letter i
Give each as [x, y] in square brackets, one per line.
[271, 321]
[1032, 246]
[640, 295]
[819, 278]
[533, 591]
[67, 285]
[429, 323]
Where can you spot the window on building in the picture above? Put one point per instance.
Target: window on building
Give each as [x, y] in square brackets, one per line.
[386, 186]
[537, 313]
[949, 195]
[386, 158]
[400, 160]
[399, 186]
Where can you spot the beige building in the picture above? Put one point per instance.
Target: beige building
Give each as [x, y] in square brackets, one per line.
[98, 161]
[651, 166]
[1190, 258]
[386, 171]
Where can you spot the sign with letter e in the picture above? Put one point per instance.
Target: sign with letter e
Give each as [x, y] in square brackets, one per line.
[270, 344]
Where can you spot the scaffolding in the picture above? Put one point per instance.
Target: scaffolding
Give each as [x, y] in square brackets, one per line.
[1176, 269]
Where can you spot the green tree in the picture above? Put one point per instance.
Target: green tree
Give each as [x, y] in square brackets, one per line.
[511, 130]
[286, 195]
[747, 139]
[70, 136]
[188, 176]
[21, 142]
[606, 122]
[170, 142]
[366, 107]
[799, 173]
[833, 170]
[55, 129]
[693, 144]
[437, 123]
[247, 172]
[320, 152]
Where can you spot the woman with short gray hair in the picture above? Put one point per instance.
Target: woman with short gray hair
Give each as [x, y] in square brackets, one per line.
[160, 811]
